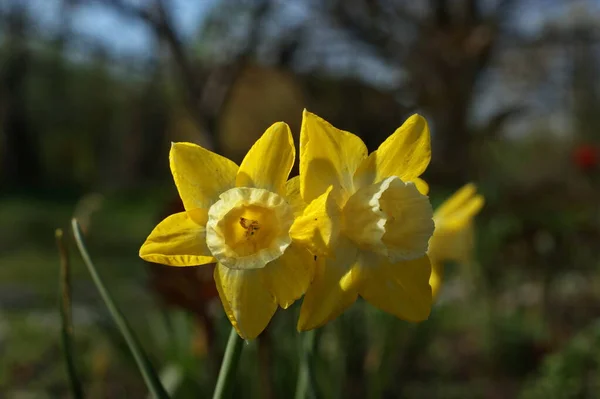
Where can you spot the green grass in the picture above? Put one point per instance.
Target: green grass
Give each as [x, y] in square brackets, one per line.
[486, 341]
[29, 323]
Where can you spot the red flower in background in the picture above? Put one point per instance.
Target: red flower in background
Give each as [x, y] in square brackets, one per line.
[586, 157]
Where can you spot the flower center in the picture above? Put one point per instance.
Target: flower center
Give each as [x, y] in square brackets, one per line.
[248, 227]
[390, 218]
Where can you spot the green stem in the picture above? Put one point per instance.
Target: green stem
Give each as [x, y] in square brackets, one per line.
[65, 313]
[148, 373]
[305, 387]
[229, 366]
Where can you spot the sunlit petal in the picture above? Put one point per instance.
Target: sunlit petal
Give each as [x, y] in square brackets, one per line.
[200, 175]
[269, 161]
[246, 300]
[326, 298]
[405, 154]
[401, 289]
[292, 194]
[288, 277]
[328, 156]
[319, 226]
[177, 241]
[422, 185]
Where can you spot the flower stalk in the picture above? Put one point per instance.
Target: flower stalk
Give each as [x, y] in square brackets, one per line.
[228, 369]
[305, 388]
[66, 315]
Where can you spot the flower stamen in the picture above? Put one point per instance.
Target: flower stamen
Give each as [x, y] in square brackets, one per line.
[250, 226]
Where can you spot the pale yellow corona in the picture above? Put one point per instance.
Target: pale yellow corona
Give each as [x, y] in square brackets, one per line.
[248, 227]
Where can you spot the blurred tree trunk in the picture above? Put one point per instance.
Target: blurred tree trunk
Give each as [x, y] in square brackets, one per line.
[445, 50]
[446, 62]
[56, 121]
[20, 156]
[154, 119]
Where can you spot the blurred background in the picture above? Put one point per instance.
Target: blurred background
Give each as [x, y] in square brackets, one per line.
[92, 92]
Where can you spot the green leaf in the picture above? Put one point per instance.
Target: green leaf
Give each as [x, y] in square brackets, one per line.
[150, 376]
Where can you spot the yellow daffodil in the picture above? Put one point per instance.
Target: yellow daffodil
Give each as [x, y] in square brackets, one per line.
[238, 217]
[367, 221]
[453, 236]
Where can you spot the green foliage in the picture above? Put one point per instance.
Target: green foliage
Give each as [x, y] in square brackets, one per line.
[94, 125]
[572, 371]
[143, 362]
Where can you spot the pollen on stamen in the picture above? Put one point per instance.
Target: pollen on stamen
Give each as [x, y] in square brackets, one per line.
[250, 226]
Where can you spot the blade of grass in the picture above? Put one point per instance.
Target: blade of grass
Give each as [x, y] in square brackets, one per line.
[148, 373]
[65, 315]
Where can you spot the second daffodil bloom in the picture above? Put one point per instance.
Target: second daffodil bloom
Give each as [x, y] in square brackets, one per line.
[453, 236]
[238, 217]
[366, 221]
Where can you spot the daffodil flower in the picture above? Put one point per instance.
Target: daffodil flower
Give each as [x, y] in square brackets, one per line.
[240, 218]
[366, 221]
[453, 236]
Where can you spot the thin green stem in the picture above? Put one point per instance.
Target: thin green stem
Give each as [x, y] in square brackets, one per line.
[65, 315]
[229, 366]
[305, 387]
[148, 373]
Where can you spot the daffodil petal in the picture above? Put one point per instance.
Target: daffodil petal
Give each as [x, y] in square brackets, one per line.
[198, 215]
[247, 302]
[422, 185]
[328, 156]
[319, 226]
[288, 276]
[269, 161]
[456, 200]
[437, 276]
[292, 194]
[401, 289]
[462, 216]
[326, 298]
[200, 175]
[406, 154]
[453, 238]
[452, 244]
[225, 302]
[177, 241]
